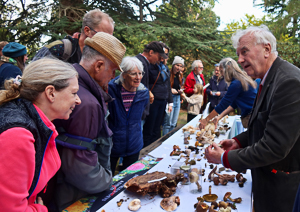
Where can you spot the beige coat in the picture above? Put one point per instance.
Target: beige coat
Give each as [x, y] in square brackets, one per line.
[195, 102]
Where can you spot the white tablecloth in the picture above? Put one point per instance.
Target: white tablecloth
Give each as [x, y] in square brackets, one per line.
[187, 199]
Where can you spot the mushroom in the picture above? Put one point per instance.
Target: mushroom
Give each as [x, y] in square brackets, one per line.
[211, 174]
[240, 179]
[170, 203]
[232, 205]
[134, 205]
[188, 152]
[223, 181]
[202, 207]
[228, 209]
[194, 179]
[216, 180]
[211, 209]
[215, 204]
[223, 204]
[119, 203]
[200, 199]
[227, 196]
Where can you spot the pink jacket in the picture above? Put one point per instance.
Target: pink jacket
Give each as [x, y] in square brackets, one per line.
[16, 174]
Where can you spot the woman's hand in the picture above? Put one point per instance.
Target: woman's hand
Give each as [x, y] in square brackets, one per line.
[213, 153]
[216, 121]
[39, 201]
[229, 144]
[174, 91]
[170, 109]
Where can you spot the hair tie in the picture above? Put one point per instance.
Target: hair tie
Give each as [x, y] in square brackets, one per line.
[17, 80]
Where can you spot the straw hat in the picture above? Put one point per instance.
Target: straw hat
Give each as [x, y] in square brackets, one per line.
[109, 46]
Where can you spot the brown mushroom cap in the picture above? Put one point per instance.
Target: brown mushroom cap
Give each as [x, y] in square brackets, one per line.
[202, 207]
[169, 204]
[193, 177]
[223, 181]
[134, 205]
[226, 196]
[223, 204]
[211, 209]
[215, 204]
[216, 180]
[237, 200]
[239, 177]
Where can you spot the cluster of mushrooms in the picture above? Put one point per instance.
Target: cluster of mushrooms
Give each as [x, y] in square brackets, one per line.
[223, 179]
[224, 206]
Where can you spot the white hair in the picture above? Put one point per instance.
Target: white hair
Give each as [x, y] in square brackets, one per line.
[195, 64]
[128, 64]
[261, 33]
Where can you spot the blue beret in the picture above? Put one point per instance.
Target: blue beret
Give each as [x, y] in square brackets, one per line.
[14, 49]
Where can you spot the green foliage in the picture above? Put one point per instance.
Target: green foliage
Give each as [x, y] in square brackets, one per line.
[285, 16]
[287, 46]
[189, 28]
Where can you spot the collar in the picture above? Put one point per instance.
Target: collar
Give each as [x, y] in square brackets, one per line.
[264, 79]
[145, 57]
[85, 80]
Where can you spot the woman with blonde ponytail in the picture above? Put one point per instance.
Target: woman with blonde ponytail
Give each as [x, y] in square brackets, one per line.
[241, 93]
[28, 105]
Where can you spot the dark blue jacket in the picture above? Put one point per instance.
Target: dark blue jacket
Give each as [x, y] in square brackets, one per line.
[126, 127]
[215, 85]
[237, 97]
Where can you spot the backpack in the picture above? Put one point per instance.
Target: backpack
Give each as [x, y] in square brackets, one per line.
[44, 51]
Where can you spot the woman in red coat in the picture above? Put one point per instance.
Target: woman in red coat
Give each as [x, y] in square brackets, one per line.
[29, 158]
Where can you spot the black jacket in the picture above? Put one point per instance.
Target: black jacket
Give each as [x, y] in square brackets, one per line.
[161, 89]
[145, 81]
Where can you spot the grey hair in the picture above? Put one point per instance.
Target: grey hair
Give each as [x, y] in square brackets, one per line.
[231, 70]
[36, 77]
[261, 33]
[128, 64]
[195, 64]
[93, 18]
[90, 55]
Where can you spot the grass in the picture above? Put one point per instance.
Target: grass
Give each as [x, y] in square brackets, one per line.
[182, 118]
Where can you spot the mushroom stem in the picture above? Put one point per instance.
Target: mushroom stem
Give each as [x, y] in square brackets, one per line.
[199, 186]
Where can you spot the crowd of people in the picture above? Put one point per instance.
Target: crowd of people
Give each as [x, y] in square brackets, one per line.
[71, 120]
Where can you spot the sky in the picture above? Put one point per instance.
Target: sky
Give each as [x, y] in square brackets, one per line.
[234, 10]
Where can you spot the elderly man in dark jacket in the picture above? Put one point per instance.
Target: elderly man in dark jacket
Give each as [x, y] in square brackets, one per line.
[270, 147]
[87, 140]
[217, 89]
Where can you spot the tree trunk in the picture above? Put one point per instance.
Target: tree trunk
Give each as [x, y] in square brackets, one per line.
[141, 11]
[74, 11]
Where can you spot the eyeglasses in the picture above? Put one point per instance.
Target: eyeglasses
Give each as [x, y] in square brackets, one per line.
[200, 67]
[92, 29]
[136, 74]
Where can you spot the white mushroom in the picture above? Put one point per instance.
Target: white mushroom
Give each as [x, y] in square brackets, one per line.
[194, 179]
[170, 203]
[134, 205]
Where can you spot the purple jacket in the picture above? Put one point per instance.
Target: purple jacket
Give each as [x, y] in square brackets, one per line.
[86, 172]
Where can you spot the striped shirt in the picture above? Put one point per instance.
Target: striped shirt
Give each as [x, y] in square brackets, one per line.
[127, 98]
